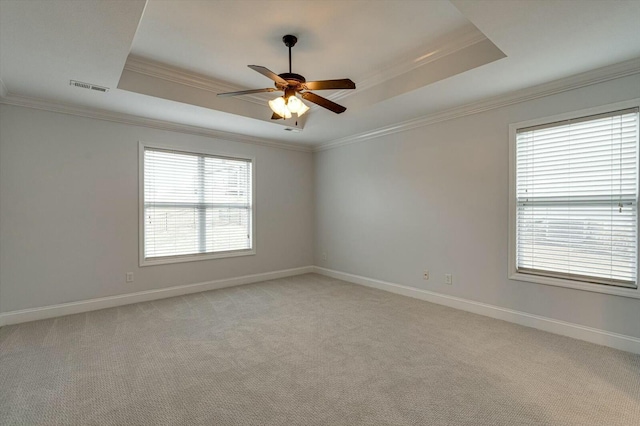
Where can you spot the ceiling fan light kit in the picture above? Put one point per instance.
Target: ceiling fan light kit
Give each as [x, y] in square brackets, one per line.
[284, 106]
[279, 107]
[293, 85]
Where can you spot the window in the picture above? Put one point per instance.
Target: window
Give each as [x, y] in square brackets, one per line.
[194, 206]
[574, 194]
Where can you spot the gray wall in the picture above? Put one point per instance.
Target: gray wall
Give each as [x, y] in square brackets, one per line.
[434, 197]
[69, 210]
[437, 197]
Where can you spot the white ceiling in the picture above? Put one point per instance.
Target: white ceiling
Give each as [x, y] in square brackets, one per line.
[166, 59]
[336, 39]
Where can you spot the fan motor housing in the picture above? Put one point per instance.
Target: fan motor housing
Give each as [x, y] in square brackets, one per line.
[292, 76]
[295, 81]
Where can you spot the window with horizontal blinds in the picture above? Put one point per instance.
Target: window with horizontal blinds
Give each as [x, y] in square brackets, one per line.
[195, 204]
[576, 199]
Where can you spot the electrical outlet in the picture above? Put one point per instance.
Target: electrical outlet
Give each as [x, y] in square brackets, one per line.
[425, 274]
[448, 279]
[324, 256]
[129, 277]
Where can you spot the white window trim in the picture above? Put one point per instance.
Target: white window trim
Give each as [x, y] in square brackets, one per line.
[560, 282]
[196, 257]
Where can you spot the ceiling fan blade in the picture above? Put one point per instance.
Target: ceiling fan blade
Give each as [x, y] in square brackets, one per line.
[323, 102]
[247, 92]
[269, 74]
[275, 116]
[344, 83]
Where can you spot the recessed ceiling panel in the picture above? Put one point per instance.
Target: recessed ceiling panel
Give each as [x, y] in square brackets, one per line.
[208, 45]
[336, 39]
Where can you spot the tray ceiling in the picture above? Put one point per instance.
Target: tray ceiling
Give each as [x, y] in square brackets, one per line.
[166, 60]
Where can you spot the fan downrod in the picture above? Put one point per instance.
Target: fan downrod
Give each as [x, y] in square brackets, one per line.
[290, 41]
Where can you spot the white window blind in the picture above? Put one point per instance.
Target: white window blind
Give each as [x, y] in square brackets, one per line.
[195, 204]
[576, 199]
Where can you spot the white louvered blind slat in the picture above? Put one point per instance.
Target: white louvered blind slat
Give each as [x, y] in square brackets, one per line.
[195, 204]
[576, 199]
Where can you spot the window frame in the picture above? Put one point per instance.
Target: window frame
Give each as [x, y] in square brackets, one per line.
[191, 257]
[513, 274]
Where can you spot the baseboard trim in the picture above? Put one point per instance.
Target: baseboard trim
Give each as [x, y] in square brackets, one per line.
[33, 314]
[576, 331]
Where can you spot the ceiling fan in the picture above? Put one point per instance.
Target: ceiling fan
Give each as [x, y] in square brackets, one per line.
[294, 84]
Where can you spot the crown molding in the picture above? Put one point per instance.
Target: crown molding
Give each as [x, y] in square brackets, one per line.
[415, 59]
[588, 78]
[176, 75]
[407, 62]
[134, 120]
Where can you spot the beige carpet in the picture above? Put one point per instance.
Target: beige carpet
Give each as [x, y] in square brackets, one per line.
[306, 350]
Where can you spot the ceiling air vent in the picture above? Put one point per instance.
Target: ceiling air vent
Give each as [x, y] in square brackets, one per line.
[88, 86]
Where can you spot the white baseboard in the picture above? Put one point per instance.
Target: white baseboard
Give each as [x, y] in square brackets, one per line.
[576, 331]
[33, 314]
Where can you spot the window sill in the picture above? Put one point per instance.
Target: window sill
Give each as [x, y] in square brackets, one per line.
[577, 285]
[196, 258]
